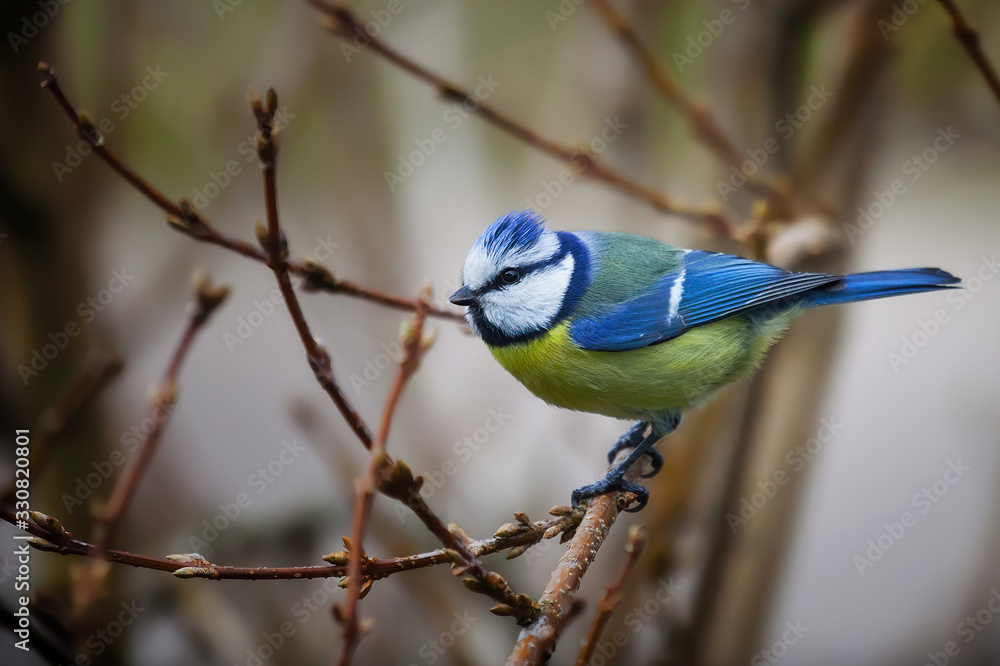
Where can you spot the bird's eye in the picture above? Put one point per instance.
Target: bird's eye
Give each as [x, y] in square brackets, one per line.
[510, 276]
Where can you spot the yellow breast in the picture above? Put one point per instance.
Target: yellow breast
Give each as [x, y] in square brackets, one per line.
[634, 384]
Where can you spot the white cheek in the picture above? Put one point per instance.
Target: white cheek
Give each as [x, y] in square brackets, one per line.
[531, 304]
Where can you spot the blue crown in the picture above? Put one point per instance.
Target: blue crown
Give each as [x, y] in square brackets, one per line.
[513, 230]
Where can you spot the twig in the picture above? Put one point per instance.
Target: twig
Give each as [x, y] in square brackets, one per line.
[537, 641]
[699, 117]
[275, 246]
[612, 594]
[56, 418]
[207, 300]
[185, 218]
[51, 537]
[414, 347]
[969, 39]
[395, 480]
[344, 23]
[687, 643]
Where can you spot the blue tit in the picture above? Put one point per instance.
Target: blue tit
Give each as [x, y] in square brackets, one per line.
[633, 328]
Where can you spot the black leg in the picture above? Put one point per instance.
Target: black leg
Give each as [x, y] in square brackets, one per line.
[630, 440]
[614, 480]
[662, 426]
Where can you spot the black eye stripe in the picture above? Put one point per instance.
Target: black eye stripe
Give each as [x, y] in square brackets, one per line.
[524, 271]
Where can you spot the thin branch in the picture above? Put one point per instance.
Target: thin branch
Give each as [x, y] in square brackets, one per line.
[687, 643]
[100, 370]
[612, 594]
[343, 22]
[699, 117]
[969, 39]
[395, 480]
[52, 537]
[537, 641]
[414, 347]
[185, 218]
[275, 246]
[207, 300]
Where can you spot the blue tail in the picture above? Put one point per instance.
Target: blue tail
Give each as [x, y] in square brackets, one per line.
[879, 284]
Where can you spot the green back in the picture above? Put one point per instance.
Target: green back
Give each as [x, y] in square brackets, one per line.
[624, 267]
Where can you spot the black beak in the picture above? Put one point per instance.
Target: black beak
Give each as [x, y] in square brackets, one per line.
[463, 296]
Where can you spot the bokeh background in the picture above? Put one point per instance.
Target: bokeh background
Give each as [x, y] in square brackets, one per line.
[811, 557]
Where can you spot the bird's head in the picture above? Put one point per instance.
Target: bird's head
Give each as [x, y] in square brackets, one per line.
[521, 278]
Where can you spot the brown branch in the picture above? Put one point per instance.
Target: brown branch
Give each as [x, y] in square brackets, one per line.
[275, 246]
[207, 300]
[343, 22]
[969, 39]
[537, 641]
[395, 480]
[698, 116]
[185, 218]
[414, 347]
[100, 370]
[52, 537]
[612, 594]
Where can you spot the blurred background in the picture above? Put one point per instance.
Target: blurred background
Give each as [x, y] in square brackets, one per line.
[843, 508]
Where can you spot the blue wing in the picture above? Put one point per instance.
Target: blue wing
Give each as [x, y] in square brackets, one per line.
[709, 286]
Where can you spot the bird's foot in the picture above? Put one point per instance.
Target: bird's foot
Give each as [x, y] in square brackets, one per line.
[611, 483]
[632, 439]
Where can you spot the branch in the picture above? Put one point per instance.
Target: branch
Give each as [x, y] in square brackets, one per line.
[612, 594]
[276, 248]
[395, 480]
[969, 39]
[185, 218]
[699, 117]
[208, 299]
[537, 641]
[343, 22]
[514, 537]
[57, 417]
[414, 346]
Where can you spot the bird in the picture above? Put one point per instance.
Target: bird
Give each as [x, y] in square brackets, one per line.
[635, 329]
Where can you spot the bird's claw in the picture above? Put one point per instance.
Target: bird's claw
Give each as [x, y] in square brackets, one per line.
[610, 484]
